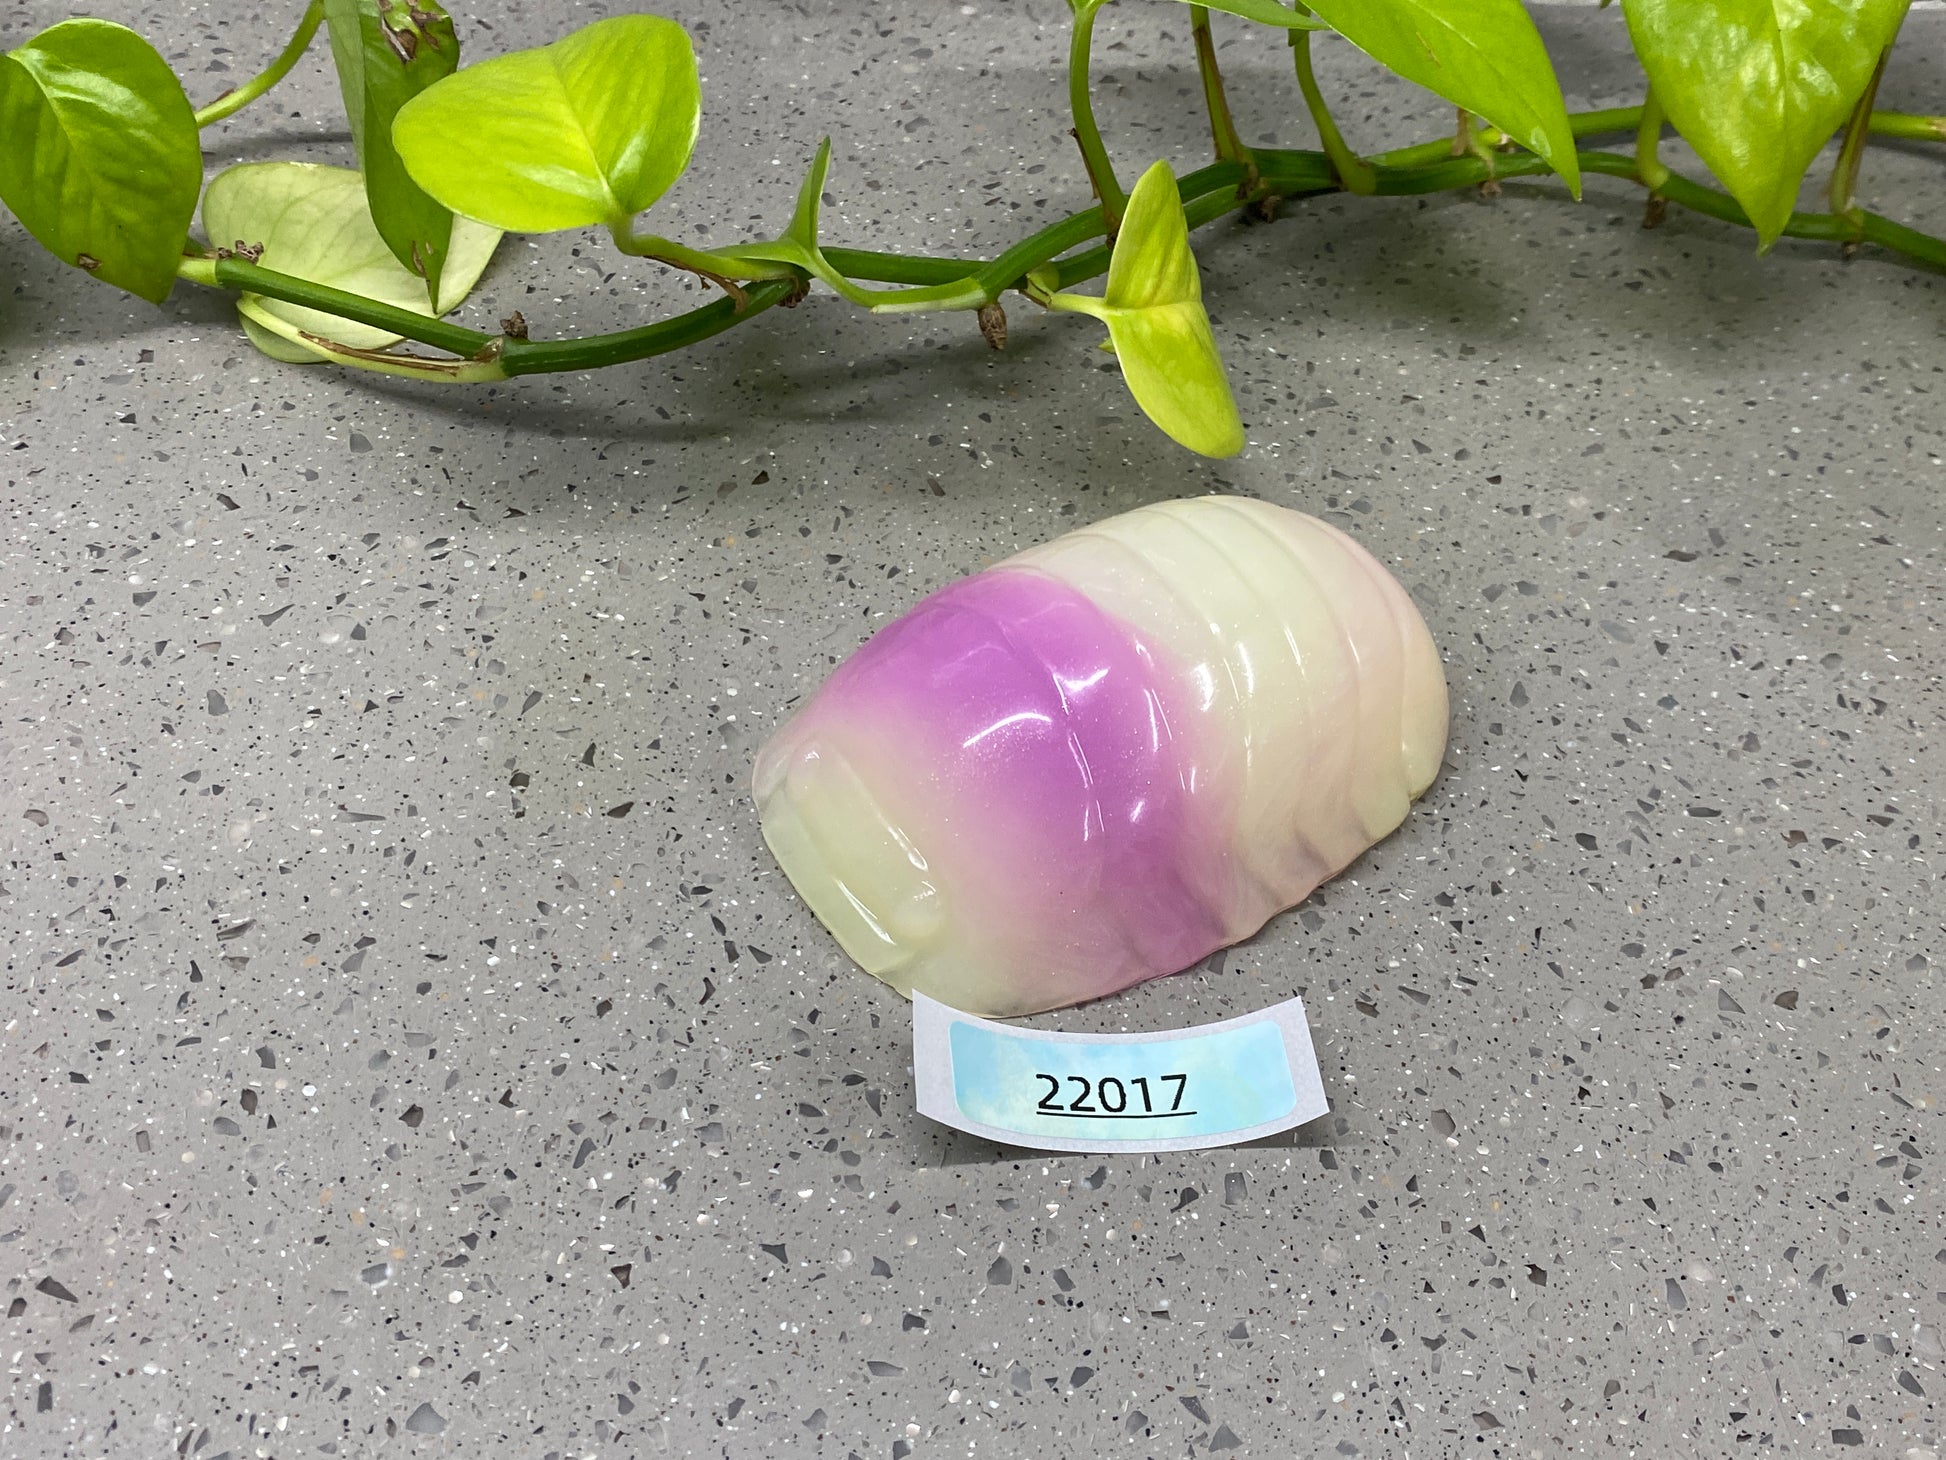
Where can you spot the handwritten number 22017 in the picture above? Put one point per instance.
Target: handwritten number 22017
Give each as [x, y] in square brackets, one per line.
[1112, 1095]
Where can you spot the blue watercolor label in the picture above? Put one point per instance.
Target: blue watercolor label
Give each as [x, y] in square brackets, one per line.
[1172, 1090]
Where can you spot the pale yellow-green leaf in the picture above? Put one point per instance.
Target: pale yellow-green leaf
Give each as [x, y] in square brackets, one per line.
[1153, 307]
[313, 223]
[1169, 359]
[260, 335]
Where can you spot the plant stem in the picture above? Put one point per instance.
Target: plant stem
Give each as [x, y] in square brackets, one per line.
[1629, 118]
[1460, 172]
[276, 71]
[724, 269]
[1469, 142]
[1875, 229]
[1011, 268]
[501, 357]
[499, 354]
[1355, 174]
[963, 291]
[1649, 170]
[1583, 124]
[899, 268]
[475, 370]
[1208, 194]
[248, 278]
[539, 357]
[1048, 244]
[1222, 126]
[1609, 119]
[1101, 172]
[1901, 124]
[1844, 175]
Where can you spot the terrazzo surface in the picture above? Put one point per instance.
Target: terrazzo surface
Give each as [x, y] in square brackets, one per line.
[407, 1045]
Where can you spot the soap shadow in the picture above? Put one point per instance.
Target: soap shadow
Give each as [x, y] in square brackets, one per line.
[952, 1149]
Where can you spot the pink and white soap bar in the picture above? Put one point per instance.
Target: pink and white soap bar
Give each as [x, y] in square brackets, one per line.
[1105, 758]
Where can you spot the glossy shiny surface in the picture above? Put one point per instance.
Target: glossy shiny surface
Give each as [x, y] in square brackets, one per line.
[1107, 757]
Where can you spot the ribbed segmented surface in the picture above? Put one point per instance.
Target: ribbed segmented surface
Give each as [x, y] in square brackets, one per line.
[1108, 756]
[1318, 684]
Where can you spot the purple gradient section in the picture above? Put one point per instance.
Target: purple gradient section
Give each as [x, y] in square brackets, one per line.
[1048, 728]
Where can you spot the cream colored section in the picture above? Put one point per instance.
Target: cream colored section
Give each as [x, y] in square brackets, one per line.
[1319, 690]
[861, 875]
[885, 866]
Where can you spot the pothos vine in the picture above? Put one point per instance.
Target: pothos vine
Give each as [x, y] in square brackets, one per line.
[103, 167]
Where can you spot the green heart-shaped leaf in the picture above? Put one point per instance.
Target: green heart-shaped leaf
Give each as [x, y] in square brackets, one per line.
[313, 223]
[1153, 307]
[1757, 87]
[589, 130]
[387, 52]
[1484, 55]
[98, 153]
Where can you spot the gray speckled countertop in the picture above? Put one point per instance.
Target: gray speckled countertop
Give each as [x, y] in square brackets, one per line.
[407, 1044]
